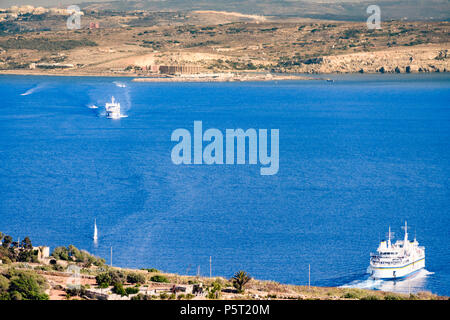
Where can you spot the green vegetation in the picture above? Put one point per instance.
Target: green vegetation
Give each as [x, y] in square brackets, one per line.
[155, 45]
[351, 33]
[110, 278]
[71, 253]
[201, 44]
[150, 270]
[76, 291]
[131, 290]
[17, 251]
[118, 289]
[240, 279]
[159, 278]
[163, 296]
[215, 290]
[136, 278]
[22, 285]
[44, 44]
[141, 296]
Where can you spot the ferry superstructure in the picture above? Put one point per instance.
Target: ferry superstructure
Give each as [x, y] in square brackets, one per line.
[112, 109]
[397, 260]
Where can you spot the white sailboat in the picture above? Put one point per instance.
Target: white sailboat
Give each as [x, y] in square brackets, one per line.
[95, 231]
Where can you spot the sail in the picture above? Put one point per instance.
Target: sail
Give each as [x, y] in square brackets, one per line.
[95, 231]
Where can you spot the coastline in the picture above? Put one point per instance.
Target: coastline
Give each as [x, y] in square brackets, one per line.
[231, 77]
[160, 285]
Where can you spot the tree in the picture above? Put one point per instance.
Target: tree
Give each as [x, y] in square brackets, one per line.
[135, 278]
[7, 240]
[61, 253]
[117, 277]
[240, 279]
[118, 289]
[29, 286]
[26, 243]
[103, 280]
[27, 256]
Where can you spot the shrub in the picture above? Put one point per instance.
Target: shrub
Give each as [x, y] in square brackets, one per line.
[163, 296]
[117, 276]
[71, 253]
[58, 267]
[131, 290]
[215, 290]
[151, 270]
[118, 289]
[103, 279]
[135, 278]
[370, 297]
[44, 44]
[392, 297]
[27, 286]
[351, 295]
[159, 278]
[4, 284]
[76, 291]
[111, 277]
[141, 296]
[60, 253]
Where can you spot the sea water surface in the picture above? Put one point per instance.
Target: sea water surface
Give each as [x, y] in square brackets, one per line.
[356, 156]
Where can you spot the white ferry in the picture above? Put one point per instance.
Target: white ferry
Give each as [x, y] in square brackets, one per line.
[398, 260]
[112, 109]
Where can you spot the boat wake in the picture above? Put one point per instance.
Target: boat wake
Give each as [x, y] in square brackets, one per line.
[32, 90]
[119, 84]
[106, 109]
[414, 283]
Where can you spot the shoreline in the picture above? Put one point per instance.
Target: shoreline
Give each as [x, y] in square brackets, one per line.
[225, 77]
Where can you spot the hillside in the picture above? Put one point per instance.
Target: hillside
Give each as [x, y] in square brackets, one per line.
[354, 10]
[139, 43]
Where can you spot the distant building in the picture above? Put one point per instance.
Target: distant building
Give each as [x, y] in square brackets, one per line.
[54, 65]
[94, 25]
[175, 69]
[43, 252]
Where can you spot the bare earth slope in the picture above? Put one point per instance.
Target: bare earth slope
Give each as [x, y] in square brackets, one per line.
[138, 43]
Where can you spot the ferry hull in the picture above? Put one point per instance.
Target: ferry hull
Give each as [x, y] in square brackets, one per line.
[396, 273]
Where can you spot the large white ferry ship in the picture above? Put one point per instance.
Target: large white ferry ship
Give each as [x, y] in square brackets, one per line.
[112, 109]
[397, 260]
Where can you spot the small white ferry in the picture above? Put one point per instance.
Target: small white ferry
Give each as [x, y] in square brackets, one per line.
[112, 109]
[398, 260]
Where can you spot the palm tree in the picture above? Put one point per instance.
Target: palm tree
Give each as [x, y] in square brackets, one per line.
[240, 279]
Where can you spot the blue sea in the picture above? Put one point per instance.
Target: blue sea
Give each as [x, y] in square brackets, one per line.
[357, 155]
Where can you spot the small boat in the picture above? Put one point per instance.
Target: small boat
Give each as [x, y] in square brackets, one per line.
[113, 109]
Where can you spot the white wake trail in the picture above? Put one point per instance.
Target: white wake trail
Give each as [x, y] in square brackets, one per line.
[33, 90]
[414, 284]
